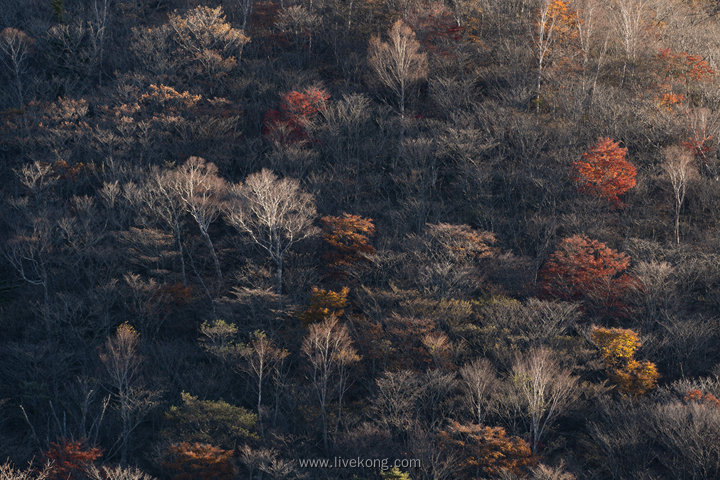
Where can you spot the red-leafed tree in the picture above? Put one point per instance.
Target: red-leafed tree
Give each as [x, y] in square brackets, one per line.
[287, 124]
[702, 398]
[587, 270]
[604, 171]
[69, 459]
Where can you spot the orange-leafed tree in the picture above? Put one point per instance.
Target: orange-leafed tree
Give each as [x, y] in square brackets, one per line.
[70, 458]
[587, 270]
[287, 124]
[324, 304]
[348, 238]
[199, 461]
[617, 347]
[604, 171]
[488, 450]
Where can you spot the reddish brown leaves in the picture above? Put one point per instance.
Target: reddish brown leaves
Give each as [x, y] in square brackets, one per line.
[69, 459]
[685, 67]
[585, 269]
[199, 461]
[287, 125]
[486, 449]
[678, 72]
[697, 396]
[603, 171]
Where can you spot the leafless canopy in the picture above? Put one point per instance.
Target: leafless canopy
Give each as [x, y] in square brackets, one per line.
[274, 212]
[398, 63]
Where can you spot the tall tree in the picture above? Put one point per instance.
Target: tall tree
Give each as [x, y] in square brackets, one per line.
[556, 19]
[398, 63]
[197, 183]
[14, 47]
[330, 353]
[274, 212]
[542, 390]
[261, 357]
[680, 169]
[122, 362]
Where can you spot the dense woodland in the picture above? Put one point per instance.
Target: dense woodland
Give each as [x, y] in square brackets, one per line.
[479, 234]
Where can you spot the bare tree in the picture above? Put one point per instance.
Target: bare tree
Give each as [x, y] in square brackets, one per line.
[275, 212]
[246, 6]
[261, 359]
[97, 27]
[163, 203]
[398, 63]
[14, 46]
[478, 381]
[116, 473]
[543, 38]
[680, 170]
[394, 405]
[541, 390]
[30, 253]
[298, 23]
[197, 183]
[329, 351]
[631, 26]
[204, 36]
[593, 36]
[122, 362]
[8, 472]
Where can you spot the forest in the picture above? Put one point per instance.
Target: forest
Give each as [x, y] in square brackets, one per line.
[359, 239]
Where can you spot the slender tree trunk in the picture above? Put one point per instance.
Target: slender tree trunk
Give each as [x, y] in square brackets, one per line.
[259, 399]
[677, 222]
[279, 262]
[216, 262]
[182, 254]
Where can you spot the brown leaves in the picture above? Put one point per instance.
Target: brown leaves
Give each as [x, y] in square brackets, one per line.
[194, 461]
[348, 238]
[69, 459]
[486, 449]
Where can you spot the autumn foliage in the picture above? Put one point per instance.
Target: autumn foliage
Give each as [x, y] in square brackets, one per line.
[287, 124]
[699, 397]
[199, 461]
[561, 18]
[324, 304]
[69, 458]
[349, 238]
[684, 66]
[587, 270]
[490, 450]
[604, 171]
[618, 347]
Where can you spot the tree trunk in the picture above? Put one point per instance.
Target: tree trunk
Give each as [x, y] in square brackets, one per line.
[182, 254]
[216, 262]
